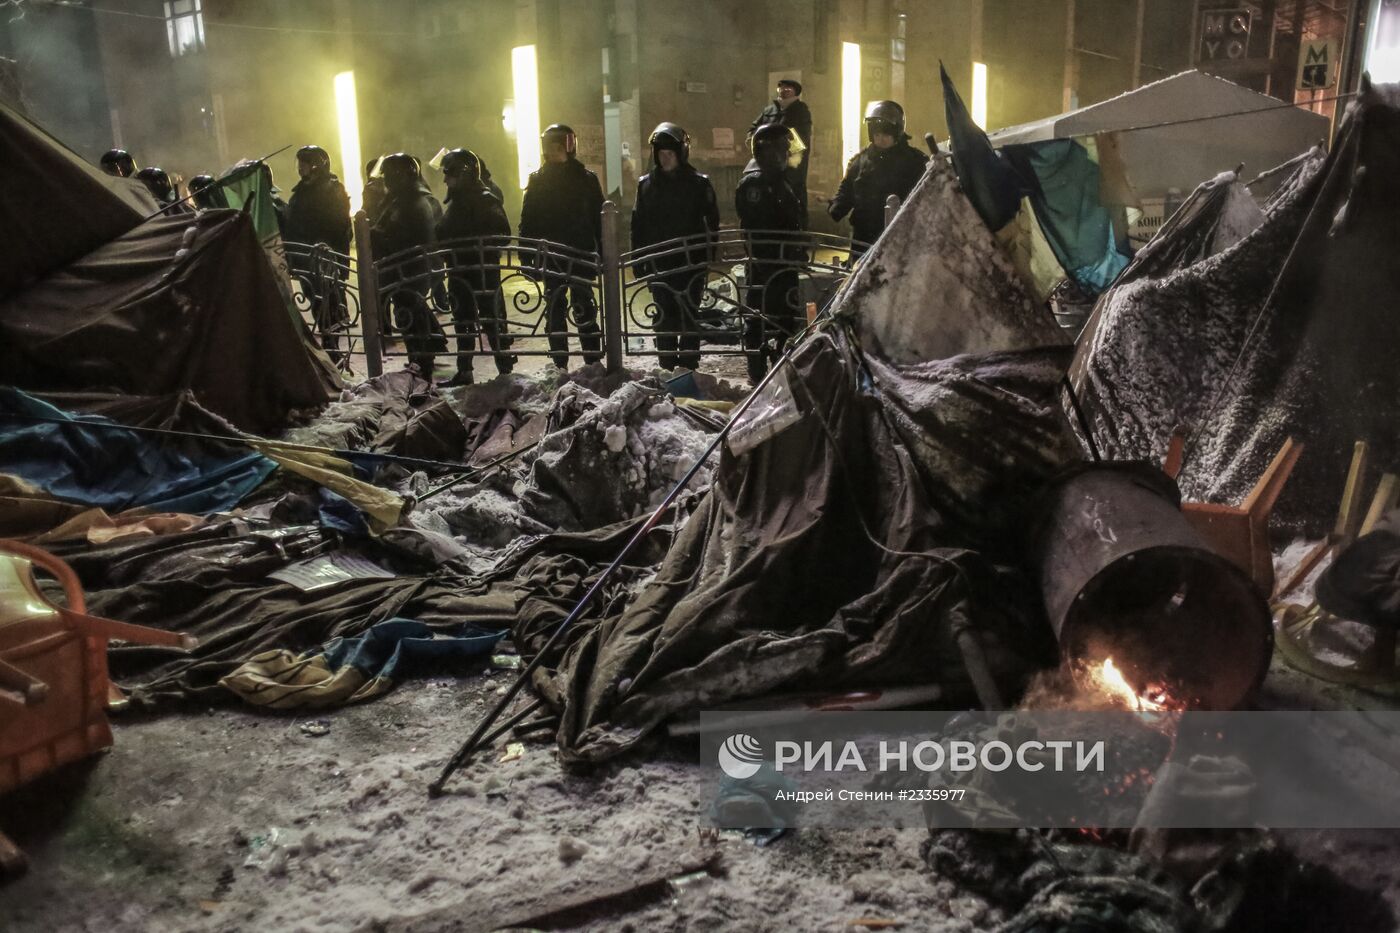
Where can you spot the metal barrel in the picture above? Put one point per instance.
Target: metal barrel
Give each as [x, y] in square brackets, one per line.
[1124, 576]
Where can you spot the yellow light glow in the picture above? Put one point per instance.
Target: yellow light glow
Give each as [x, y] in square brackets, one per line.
[851, 115]
[347, 113]
[527, 110]
[979, 94]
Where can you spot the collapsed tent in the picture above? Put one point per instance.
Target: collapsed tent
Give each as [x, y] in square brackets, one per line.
[57, 207]
[1287, 333]
[848, 535]
[179, 302]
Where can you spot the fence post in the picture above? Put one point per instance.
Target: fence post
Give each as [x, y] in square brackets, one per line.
[612, 289]
[369, 296]
[891, 208]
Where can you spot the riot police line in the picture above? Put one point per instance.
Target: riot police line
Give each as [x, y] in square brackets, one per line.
[509, 279]
[431, 278]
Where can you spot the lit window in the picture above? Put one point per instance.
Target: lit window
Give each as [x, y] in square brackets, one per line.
[184, 26]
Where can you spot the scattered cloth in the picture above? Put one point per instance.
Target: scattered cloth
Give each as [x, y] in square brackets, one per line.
[90, 460]
[351, 669]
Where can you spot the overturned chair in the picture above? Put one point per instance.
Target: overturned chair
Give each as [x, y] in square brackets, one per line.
[54, 689]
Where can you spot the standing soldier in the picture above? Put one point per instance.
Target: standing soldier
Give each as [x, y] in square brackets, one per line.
[675, 200]
[563, 204]
[118, 162]
[770, 214]
[789, 111]
[406, 222]
[474, 278]
[318, 212]
[889, 165]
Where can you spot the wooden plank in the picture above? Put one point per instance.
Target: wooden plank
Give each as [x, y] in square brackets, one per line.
[1387, 494]
[1348, 516]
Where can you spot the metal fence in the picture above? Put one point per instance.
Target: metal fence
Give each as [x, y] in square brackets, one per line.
[497, 299]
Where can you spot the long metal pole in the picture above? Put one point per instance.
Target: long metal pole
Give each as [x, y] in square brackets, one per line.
[612, 289]
[369, 296]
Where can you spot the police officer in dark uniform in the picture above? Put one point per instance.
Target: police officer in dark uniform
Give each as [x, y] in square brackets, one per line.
[474, 278]
[118, 162]
[486, 180]
[787, 109]
[318, 213]
[889, 165]
[771, 215]
[675, 200]
[372, 195]
[319, 208]
[563, 201]
[406, 222]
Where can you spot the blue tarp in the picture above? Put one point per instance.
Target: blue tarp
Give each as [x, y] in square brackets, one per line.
[84, 459]
[1061, 180]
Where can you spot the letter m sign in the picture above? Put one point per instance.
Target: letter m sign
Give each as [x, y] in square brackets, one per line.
[1317, 64]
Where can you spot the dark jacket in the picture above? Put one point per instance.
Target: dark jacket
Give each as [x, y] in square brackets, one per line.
[490, 185]
[872, 175]
[563, 204]
[469, 216]
[319, 212]
[797, 117]
[675, 204]
[407, 220]
[768, 206]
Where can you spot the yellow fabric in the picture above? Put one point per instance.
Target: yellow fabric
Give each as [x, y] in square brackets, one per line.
[383, 508]
[278, 679]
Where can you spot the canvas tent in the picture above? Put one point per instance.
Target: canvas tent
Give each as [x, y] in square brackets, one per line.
[56, 206]
[98, 299]
[1183, 155]
[1289, 332]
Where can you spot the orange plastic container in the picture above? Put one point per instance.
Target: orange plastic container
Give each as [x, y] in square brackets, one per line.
[54, 688]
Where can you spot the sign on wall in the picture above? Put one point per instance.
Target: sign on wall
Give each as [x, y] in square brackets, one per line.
[1317, 64]
[1225, 34]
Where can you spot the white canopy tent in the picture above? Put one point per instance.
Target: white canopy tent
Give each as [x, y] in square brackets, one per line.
[1183, 155]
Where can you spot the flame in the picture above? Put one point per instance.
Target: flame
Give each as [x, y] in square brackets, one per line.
[1109, 679]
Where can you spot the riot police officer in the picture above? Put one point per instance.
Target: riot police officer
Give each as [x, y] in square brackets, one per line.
[407, 222]
[474, 275]
[889, 165]
[319, 209]
[675, 200]
[771, 215]
[563, 204]
[318, 213]
[118, 162]
[789, 110]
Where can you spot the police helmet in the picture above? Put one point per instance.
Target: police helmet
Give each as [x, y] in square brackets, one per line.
[560, 132]
[157, 182]
[462, 160]
[400, 168]
[885, 116]
[118, 162]
[315, 156]
[670, 136]
[197, 184]
[771, 135]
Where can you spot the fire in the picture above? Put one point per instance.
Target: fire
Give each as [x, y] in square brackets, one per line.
[1110, 680]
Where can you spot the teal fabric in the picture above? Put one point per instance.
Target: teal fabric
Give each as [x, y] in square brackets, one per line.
[1065, 197]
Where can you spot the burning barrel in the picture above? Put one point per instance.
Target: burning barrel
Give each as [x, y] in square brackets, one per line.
[1138, 601]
